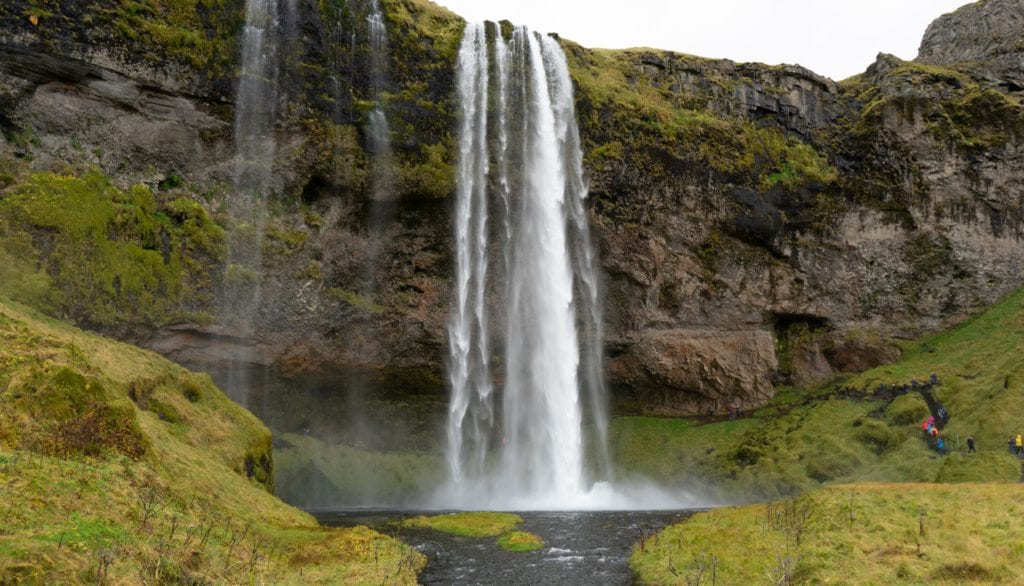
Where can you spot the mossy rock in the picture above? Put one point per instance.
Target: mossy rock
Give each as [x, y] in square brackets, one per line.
[468, 524]
[520, 541]
[106, 257]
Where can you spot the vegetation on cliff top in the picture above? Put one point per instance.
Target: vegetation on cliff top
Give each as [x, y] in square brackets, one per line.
[853, 534]
[803, 439]
[953, 107]
[202, 34]
[117, 466]
[635, 115]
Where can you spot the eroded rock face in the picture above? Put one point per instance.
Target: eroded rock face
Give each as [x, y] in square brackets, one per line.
[984, 36]
[696, 371]
[112, 119]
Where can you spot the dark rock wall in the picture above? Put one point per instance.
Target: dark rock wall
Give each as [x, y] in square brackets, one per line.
[757, 224]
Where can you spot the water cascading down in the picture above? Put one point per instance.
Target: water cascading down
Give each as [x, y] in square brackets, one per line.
[255, 107]
[378, 129]
[525, 287]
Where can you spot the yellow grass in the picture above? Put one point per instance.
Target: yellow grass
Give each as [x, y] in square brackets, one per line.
[850, 534]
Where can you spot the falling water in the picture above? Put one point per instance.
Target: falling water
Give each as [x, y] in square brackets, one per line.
[527, 168]
[256, 100]
[255, 109]
[379, 133]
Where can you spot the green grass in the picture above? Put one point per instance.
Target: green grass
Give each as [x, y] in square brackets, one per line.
[806, 438]
[520, 541]
[850, 534]
[117, 466]
[467, 524]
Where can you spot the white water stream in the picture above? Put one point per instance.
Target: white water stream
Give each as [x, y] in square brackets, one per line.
[527, 316]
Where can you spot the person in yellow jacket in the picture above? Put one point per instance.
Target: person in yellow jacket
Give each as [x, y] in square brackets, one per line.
[1019, 443]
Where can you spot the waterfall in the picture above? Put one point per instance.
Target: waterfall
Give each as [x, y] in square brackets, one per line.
[255, 112]
[378, 131]
[522, 162]
[256, 101]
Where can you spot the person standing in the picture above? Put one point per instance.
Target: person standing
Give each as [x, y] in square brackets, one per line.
[1018, 443]
[970, 444]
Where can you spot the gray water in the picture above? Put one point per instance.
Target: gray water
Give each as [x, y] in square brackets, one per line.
[524, 280]
[584, 548]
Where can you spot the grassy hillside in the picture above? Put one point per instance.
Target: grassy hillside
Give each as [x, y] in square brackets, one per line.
[806, 438]
[117, 466]
[852, 534]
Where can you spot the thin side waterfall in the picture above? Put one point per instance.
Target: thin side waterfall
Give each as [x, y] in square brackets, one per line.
[256, 101]
[255, 111]
[379, 131]
[532, 274]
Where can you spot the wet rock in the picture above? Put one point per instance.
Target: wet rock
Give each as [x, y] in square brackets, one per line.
[693, 371]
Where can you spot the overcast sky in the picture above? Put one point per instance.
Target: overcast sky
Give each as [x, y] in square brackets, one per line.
[836, 38]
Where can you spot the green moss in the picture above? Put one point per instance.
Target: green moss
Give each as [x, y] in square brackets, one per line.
[520, 541]
[431, 177]
[355, 300]
[106, 256]
[201, 33]
[797, 164]
[626, 113]
[468, 524]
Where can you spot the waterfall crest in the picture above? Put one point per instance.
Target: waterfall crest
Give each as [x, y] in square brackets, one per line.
[526, 283]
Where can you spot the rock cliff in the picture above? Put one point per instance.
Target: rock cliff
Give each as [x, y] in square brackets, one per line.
[757, 224]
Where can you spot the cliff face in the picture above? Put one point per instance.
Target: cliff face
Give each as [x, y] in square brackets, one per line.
[984, 37]
[757, 224]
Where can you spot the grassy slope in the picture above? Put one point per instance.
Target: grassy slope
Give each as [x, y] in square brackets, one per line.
[864, 533]
[806, 438]
[93, 434]
[850, 534]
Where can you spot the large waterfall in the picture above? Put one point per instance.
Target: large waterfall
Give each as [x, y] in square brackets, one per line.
[527, 316]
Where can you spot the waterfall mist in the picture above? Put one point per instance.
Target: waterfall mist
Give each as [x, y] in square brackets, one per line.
[527, 316]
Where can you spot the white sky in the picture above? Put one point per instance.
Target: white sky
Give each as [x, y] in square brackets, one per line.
[836, 38]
